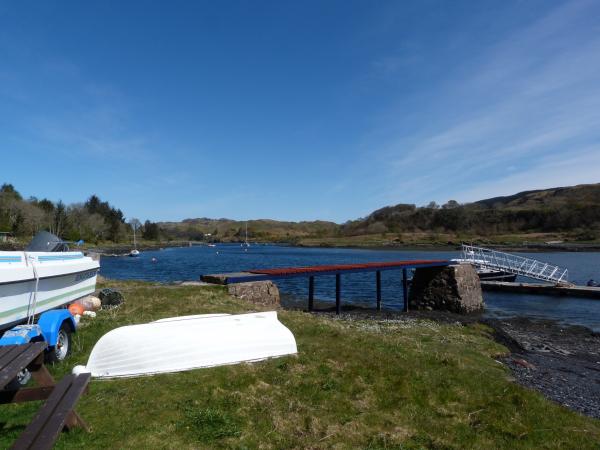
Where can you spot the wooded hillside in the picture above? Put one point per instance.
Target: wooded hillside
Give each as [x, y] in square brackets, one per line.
[567, 209]
[92, 221]
[572, 210]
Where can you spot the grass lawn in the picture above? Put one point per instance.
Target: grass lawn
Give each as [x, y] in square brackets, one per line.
[415, 384]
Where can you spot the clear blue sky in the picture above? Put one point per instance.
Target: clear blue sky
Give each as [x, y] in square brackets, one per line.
[296, 110]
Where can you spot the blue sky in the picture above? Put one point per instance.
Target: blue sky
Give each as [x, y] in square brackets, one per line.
[296, 110]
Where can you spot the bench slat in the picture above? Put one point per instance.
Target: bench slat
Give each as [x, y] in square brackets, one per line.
[44, 429]
[27, 353]
[56, 422]
[9, 352]
[35, 426]
[5, 349]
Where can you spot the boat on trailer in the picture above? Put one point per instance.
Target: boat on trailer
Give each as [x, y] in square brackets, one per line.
[189, 342]
[34, 281]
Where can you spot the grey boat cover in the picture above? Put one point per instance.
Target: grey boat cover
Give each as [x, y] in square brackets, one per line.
[47, 242]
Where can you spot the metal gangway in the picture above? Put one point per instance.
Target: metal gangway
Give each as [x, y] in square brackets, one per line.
[519, 265]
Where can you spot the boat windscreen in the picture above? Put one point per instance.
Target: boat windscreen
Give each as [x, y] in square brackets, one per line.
[47, 242]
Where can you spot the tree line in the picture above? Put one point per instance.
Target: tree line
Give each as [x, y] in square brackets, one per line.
[574, 209]
[92, 221]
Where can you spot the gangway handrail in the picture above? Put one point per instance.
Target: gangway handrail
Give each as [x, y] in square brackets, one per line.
[518, 265]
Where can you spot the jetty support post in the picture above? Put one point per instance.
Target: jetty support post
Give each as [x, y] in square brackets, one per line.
[311, 292]
[405, 289]
[378, 280]
[338, 289]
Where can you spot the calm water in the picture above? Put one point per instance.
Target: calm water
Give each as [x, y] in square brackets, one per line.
[188, 263]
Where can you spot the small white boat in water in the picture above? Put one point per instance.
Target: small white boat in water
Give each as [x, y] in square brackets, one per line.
[32, 282]
[188, 342]
[135, 252]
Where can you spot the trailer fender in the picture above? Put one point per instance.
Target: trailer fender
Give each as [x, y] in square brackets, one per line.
[51, 321]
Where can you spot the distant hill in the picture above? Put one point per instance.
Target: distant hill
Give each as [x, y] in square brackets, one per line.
[573, 209]
[258, 230]
[583, 195]
[563, 209]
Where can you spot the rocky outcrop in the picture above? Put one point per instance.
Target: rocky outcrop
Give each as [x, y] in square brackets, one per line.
[453, 288]
[259, 292]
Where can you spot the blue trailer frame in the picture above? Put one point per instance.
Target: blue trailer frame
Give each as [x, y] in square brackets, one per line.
[46, 329]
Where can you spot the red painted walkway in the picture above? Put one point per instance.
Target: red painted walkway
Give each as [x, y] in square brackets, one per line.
[331, 269]
[348, 267]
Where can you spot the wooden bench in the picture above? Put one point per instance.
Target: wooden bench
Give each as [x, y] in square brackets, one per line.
[57, 413]
[15, 358]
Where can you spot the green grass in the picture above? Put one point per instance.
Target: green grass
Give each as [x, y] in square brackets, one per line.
[352, 385]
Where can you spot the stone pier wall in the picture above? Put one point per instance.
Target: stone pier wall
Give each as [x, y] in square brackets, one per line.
[452, 288]
[259, 292]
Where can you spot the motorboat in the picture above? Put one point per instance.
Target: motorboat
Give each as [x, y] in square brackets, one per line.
[189, 342]
[42, 277]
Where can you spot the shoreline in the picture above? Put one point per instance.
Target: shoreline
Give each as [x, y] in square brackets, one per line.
[123, 250]
[561, 362]
[120, 249]
[526, 248]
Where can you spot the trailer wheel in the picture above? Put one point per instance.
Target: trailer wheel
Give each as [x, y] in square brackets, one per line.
[19, 381]
[62, 349]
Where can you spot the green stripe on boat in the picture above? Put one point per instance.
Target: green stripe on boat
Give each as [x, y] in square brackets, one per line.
[84, 290]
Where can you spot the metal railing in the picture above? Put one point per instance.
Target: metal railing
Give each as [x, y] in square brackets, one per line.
[518, 265]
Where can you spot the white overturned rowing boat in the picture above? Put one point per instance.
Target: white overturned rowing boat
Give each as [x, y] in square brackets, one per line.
[32, 282]
[188, 342]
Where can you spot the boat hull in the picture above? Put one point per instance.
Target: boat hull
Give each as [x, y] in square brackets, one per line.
[496, 275]
[61, 279]
[487, 274]
[189, 342]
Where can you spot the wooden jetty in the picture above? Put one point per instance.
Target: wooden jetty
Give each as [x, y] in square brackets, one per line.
[338, 270]
[542, 289]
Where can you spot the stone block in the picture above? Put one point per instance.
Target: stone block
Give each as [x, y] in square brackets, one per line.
[452, 288]
[259, 292]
